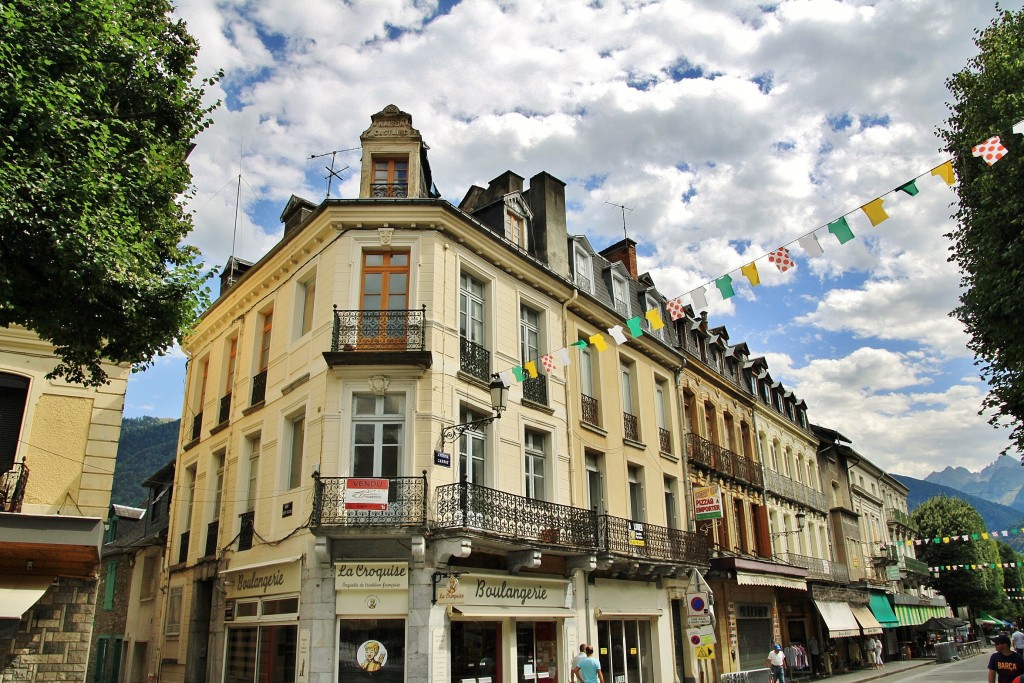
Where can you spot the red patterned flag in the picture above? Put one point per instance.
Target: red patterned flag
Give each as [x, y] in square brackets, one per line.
[991, 150]
[548, 361]
[780, 257]
[676, 308]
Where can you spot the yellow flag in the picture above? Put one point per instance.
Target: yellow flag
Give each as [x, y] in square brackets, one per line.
[654, 318]
[945, 171]
[750, 270]
[531, 368]
[598, 341]
[874, 211]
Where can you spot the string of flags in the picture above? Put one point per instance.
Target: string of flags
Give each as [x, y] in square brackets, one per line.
[990, 151]
[971, 567]
[961, 538]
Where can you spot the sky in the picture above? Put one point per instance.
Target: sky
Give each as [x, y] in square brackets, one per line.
[725, 128]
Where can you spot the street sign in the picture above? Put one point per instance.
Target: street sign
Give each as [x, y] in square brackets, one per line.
[697, 603]
[698, 620]
[704, 635]
[705, 651]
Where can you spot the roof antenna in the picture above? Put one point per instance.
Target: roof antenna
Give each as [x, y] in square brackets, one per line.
[624, 209]
[331, 173]
[238, 201]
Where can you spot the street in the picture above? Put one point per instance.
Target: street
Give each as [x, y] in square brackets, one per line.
[969, 670]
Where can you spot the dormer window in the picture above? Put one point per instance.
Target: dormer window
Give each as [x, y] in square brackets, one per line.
[766, 392]
[583, 270]
[620, 293]
[390, 178]
[515, 229]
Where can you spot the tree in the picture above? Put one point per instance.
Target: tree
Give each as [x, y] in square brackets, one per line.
[98, 111]
[988, 242]
[1012, 582]
[940, 518]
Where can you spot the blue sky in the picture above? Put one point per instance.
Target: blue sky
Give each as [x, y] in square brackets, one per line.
[731, 128]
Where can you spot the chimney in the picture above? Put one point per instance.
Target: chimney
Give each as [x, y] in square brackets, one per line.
[624, 252]
[234, 269]
[295, 211]
[547, 201]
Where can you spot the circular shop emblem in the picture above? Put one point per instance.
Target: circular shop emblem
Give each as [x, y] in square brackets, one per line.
[372, 601]
[372, 656]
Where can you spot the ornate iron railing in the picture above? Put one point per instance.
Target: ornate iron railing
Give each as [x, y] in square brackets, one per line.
[915, 566]
[589, 406]
[506, 515]
[334, 506]
[583, 282]
[621, 308]
[536, 389]
[785, 487]
[650, 541]
[818, 569]
[247, 530]
[183, 548]
[665, 440]
[225, 408]
[399, 190]
[212, 529]
[901, 518]
[197, 426]
[12, 487]
[711, 456]
[474, 359]
[259, 388]
[399, 330]
[630, 427]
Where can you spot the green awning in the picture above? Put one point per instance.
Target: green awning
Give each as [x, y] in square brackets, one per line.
[910, 615]
[883, 611]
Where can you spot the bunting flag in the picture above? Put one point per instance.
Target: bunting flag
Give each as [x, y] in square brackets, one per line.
[676, 308]
[563, 356]
[1019, 128]
[548, 362]
[809, 243]
[841, 229]
[653, 317]
[909, 188]
[874, 211]
[750, 271]
[634, 326]
[531, 367]
[945, 171]
[617, 334]
[780, 257]
[506, 378]
[991, 151]
[724, 285]
[518, 372]
[973, 567]
[579, 344]
[961, 538]
[699, 300]
[598, 341]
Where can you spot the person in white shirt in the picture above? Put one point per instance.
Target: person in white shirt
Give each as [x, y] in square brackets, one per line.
[574, 670]
[776, 661]
[1018, 641]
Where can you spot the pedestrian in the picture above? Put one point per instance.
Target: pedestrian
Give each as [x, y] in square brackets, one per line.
[574, 672]
[878, 653]
[776, 661]
[1005, 664]
[590, 668]
[1018, 641]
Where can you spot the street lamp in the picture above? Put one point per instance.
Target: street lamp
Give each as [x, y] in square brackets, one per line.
[499, 401]
[801, 519]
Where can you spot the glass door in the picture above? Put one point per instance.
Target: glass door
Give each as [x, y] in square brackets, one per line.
[537, 652]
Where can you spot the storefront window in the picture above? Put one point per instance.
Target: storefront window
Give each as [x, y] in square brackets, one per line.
[537, 648]
[274, 648]
[374, 646]
[476, 652]
[624, 648]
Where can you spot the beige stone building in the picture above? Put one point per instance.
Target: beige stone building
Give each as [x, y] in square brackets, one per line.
[58, 444]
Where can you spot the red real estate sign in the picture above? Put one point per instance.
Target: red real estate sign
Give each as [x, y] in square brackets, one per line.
[366, 494]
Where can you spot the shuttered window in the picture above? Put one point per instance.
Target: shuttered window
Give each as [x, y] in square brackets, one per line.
[13, 394]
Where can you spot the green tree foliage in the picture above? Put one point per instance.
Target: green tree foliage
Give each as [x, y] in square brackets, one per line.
[988, 98]
[941, 517]
[145, 446]
[97, 114]
[1013, 610]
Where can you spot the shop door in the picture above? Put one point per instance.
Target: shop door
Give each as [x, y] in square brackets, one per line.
[476, 652]
[624, 648]
[754, 635]
[537, 652]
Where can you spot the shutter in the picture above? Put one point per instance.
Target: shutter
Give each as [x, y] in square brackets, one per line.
[13, 394]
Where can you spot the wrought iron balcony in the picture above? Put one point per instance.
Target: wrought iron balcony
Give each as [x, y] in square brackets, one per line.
[589, 407]
[665, 440]
[915, 566]
[212, 529]
[183, 548]
[474, 359]
[785, 487]
[583, 282]
[197, 426]
[393, 190]
[713, 457]
[818, 569]
[650, 541]
[12, 487]
[259, 388]
[900, 518]
[506, 516]
[335, 506]
[630, 427]
[536, 389]
[365, 337]
[247, 530]
[225, 408]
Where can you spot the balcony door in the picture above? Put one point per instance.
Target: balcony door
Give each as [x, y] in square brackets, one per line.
[384, 301]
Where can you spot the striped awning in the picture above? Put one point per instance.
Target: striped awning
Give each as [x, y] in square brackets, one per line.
[915, 615]
[751, 579]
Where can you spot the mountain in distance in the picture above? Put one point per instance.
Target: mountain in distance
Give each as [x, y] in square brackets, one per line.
[1000, 482]
[146, 445]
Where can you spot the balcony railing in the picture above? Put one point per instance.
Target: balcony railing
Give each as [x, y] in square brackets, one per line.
[197, 426]
[650, 541]
[536, 389]
[225, 409]
[247, 530]
[474, 359]
[901, 518]
[915, 566]
[630, 427]
[12, 487]
[665, 440]
[400, 330]
[394, 190]
[785, 487]
[212, 529]
[818, 569]
[259, 388]
[583, 282]
[183, 548]
[703, 453]
[514, 518]
[589, 406]
[335, 503]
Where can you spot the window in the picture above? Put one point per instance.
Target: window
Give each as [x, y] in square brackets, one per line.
[296, 449]
[472, 450]
[230, 364]
[252, 489]
[661, 414]
[306, 300]
[636, 493]
[536, 450]
[188, 499]
[471, 309]
[266, 327]
[378, 428]
[620, 294]
[515, 229]
[390, 178]
[218, 482]
[200, 399]
[261, 653]
[529, 333]
[384, 300]
[630, 422]
[584, 272]
[150, 577]
[13, 394]
[173, 626]
[652, 305]
[595, 482]
[671, 504]
[110, 585]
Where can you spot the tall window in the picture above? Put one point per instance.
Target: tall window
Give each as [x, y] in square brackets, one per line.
[636, 493]
[529, 333]
[584, 273]
[266, 327]
[515, 229]
[385, 281]
[587, 371]
[188, 499]
[661, 412]
[218, 482]
[296, 449]
[620, 294]
[595, 482]
[13, 394]
[536, 450]
[378, 428]
[472, 450]
[253, 445]
[306, 301]
[173, 626]
[229, 379]
[671, 503]
[471, 309]
[390, 178]
[630, 421]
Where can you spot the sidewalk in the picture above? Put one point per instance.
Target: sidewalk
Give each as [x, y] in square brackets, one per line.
[863, 675]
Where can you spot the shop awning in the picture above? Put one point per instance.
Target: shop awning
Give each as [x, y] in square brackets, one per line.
[866, 619]
[749, 579]
[838, 618]
[626, 614]
[259, 565]
[513, 612]
[883, 611]
[910, 615]
[19, 593]
[989, 619]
